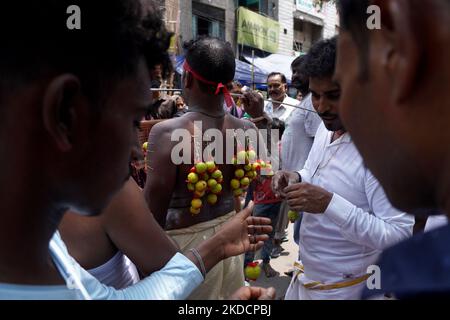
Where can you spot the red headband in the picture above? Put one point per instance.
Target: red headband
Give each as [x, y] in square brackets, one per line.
[220, 86]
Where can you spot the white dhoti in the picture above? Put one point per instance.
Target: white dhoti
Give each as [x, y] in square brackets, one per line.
[303, 288]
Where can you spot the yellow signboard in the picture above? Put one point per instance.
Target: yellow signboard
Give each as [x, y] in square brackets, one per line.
[173, 44]
[257, 31]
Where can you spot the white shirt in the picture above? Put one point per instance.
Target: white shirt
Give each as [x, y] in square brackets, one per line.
[435, 222]
[118, 272]
[359, 221]
[283, 112]
[298, 136]
[175, 281]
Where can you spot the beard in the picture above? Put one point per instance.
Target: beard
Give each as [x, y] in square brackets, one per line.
[301, 86]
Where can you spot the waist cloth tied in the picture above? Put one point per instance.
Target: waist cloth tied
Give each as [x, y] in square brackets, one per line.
[227, 276]
[299, 275]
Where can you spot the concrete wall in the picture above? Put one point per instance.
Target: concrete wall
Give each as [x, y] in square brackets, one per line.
[185, 20]
[230, 15]
[286, 20]
[331, 20]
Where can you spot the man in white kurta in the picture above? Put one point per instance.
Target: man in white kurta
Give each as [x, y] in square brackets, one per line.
[347, 219]
[338, 245]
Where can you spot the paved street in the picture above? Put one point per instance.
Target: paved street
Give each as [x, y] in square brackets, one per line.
[281, 264]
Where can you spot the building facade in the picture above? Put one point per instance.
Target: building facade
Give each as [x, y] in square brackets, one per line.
[207, 17]
[312, 23]
[301, 23]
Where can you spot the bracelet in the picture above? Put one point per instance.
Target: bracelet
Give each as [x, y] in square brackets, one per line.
[200, 261]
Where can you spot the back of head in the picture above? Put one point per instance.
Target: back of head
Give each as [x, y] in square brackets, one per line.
[321, 59]
[298, 62]
[299, 79]
[212, 59]
[113, 36]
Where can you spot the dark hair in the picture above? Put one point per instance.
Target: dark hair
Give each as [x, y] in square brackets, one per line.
[353, 15]
[302, 83]
[278, 124]
[321, 59]
[155, 84]
[114, 35]
[275, 124]
[211, 58]
[274, 74]
[353, 18]
[161, 109]
[298, 62]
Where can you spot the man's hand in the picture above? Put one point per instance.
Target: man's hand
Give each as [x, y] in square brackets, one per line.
[281, 180]
[243, 233]
[254, 293]
[253, 104]
[305, 197]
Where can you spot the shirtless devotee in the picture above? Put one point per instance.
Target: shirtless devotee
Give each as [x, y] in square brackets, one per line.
[208, 69]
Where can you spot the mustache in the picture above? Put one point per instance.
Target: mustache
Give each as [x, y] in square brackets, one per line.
[328, 114]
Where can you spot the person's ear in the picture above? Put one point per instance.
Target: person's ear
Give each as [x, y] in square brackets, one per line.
[59, 109]
[402, 50]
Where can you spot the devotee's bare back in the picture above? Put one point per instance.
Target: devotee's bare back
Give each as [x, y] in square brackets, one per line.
[178, 207]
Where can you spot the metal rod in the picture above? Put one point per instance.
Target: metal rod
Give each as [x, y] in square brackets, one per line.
[240, 96]
[160, 89]
[253, 70]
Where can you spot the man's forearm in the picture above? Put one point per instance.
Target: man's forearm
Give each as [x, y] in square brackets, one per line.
[368, 228]
[211, 253]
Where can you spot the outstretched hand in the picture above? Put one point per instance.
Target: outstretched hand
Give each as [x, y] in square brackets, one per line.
[243, 233]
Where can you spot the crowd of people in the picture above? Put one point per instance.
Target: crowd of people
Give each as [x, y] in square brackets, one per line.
[359, 157]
